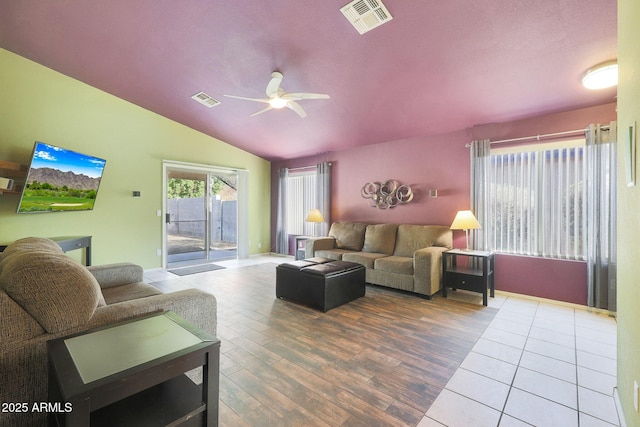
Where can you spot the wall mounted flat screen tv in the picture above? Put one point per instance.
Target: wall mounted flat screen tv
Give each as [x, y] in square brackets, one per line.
[60, 180]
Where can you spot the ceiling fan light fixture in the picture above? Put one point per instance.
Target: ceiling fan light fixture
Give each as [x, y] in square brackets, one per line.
[277, 98]
[601, 76]
[278, 102]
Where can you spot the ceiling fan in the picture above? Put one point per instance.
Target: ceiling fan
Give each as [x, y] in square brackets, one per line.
[277, 98]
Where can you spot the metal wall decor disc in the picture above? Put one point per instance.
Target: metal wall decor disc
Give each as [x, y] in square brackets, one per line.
[404, 194]
[369, 190]
[389, 187]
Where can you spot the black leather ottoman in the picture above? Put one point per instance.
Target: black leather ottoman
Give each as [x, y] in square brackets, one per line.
[319, 282]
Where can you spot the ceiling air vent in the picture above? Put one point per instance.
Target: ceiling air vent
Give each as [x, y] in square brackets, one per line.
[205, 99]
[365, 15]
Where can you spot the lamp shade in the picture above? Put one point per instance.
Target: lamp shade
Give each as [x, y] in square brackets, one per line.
[314, 216]
[465, 220]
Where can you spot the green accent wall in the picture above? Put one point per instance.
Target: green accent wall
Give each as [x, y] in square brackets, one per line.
[628, 211]
[37, 103]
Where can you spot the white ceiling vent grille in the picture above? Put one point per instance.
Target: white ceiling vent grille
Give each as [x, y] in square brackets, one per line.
[205, 99]
[365, 15]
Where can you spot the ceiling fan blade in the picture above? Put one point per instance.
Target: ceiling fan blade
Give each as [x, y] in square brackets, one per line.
[292, 105]
[299, 96]
[266, 101]
[274, 84]
[262, 111]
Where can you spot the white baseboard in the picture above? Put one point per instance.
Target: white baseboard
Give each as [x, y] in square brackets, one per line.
[560, 303]
[616, 399]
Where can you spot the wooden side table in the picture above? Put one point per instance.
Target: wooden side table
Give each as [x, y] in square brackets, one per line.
[131, 374]
[468, 270]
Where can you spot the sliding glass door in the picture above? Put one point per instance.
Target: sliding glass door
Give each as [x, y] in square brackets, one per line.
[186, 217]
[223, 216]
[201, 215]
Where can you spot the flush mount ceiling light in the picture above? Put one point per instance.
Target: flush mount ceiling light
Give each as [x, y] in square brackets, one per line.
[601, 76]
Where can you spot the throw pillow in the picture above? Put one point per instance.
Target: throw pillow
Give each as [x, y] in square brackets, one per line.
[380, 238]
[348, 235]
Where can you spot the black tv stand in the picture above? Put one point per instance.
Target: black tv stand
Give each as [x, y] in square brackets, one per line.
[69, 243]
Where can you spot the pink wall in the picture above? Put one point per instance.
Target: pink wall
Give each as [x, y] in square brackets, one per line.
[542, 277]
[436, 162]
[442, 162]
[439, 163]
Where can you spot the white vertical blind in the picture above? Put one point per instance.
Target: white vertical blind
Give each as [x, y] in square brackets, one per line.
[301, 198]
[538, 202]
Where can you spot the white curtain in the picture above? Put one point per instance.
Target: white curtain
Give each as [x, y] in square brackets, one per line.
[282, 238]
[243, 214]
[601, 216]
[480, 186]
[323, 196]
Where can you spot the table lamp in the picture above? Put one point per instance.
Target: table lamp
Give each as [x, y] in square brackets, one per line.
[465, 220]
[314, 216]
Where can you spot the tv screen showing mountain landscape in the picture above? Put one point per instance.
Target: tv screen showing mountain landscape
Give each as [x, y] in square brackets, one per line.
[60, 180]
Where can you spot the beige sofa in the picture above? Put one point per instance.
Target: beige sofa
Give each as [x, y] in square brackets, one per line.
[407, 257]
[44, 294]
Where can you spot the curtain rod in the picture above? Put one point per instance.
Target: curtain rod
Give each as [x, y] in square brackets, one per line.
[302, 168]
[306, 167]
[538, 137]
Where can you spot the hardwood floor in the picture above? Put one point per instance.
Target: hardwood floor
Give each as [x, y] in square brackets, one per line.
[378, 361]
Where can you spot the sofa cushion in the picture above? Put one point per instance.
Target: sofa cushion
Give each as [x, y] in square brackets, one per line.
[365, 258]
[380, 238]
[348, 235]
[116, 294]
[395, 264]
[335, 254]
[54, 289]
[410, 238]
[116, 274]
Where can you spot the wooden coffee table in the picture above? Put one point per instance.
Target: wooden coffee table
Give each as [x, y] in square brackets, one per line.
[132, 373]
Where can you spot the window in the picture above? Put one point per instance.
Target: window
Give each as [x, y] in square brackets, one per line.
[537, 200]
[301, 198]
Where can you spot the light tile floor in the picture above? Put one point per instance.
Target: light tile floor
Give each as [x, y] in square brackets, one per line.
[538, 364]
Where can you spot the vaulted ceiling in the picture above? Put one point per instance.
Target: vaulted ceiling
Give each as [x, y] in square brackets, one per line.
[436, 67]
